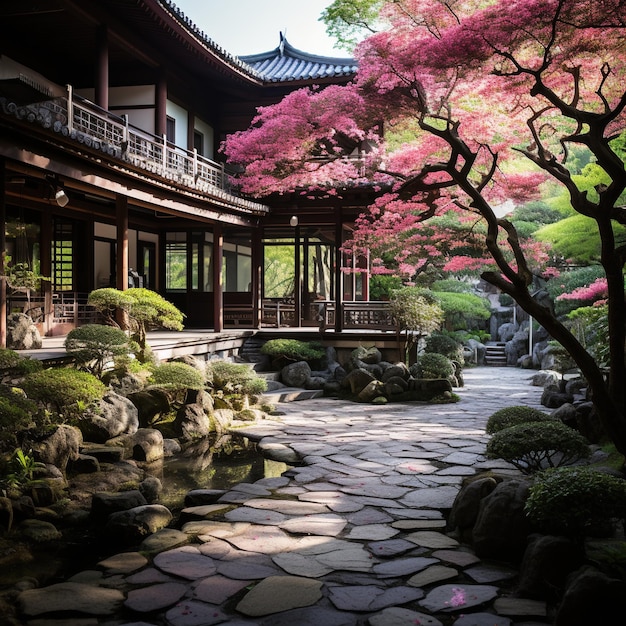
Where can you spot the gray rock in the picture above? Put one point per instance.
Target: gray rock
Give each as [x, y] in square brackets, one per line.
[115, 416]
[450, 598]
[22, 334]
[60, 447]
[68, 596]
[280, 593]
[148, 445]
[135, 524]
[103, 504]
[192, 422]
[155, 597]
[296, 374]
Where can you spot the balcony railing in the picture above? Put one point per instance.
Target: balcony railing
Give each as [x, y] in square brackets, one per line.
[82, 121]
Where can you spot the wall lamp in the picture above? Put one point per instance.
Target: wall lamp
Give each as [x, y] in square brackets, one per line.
[293, 220]
[61, 197]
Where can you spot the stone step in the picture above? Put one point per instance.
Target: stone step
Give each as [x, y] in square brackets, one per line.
[291, 394]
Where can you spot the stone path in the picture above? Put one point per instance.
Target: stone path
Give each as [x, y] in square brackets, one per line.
[354, 535]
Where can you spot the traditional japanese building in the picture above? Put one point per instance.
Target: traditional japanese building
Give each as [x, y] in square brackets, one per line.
[112, 113]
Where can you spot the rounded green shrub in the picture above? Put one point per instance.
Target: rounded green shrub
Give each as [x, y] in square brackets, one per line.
[573, 500]
[66, 391]
[293, 349]
[534, 446]
[177, 375]
[439, 343]
[514, 415]
[235, 378]
[18, 364]
[17, 414]
[432, 365]
[93, 345]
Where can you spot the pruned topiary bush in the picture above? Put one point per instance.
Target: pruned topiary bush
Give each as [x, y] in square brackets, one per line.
[12, 361]
[534, 446]
[438, 343]
[573, 501]
[293, 350]
[234, 378]
[65, 391]
[177, 375]
[432, 365]
[17, 414]
[514, 415]
[94, 345]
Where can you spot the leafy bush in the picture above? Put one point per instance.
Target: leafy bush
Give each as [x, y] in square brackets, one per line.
[66, 391]
[572, 500]
[452, 285]
[463, 310]
[432, 365]
[235, 378]
[17, 413]
[534, 446]
[514, 415]
[177, 375]
[293, 349]
[439, 343]
[381, 286]
[590, 325]
[20, 365]
[93, 345]
[567, 281]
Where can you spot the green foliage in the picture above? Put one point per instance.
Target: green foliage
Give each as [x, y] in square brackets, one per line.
[512, 416]
[350, 21]
[590, 325]
[235, 378]
[68, 392]
[463, 310]
[416, 309]
[452, 285]
[533, 446]
[18, 364]
[22, 469]
[177, 375]
[17, 413]
[20, 277]
[93, 345]
[573, 500]
[446, 345]
[536, 212]
[563, 361]
[569, 280]
[144, 310]
[432, 365]
[293, 349]
[382, 285]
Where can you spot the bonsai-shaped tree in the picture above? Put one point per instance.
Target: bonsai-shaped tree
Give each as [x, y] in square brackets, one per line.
[142, 309]
[416, 313]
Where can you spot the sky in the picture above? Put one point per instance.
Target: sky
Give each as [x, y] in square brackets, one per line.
[244, 27]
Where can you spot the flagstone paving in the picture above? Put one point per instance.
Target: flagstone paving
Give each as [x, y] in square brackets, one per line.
[353, 535]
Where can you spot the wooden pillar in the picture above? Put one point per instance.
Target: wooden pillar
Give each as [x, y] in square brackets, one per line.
[121, 260]
[3, 248]
[45, 259]
[160, 108]
[297, 314]
[218, 291]
[338, 273]
[257, 276]
[102, 68]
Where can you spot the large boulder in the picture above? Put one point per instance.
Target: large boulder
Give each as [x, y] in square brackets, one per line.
[22, 334]
[148, 445]
[59, 447]
[296, 374]
[192, 422]
[115, 416]
[134, 525]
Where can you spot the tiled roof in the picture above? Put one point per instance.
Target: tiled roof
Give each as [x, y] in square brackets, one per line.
[285, 63]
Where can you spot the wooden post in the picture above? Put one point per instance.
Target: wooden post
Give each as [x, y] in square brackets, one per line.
[3, 247]
[218, 292]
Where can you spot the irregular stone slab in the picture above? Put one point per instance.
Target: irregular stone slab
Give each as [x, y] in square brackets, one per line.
[329, 525]
[198, 497]
[373, 532]
[201, 511]
[76, 597]
[354, 558]
[462, 558]
[217, 589]
[194, 613]
[186, 562]
[280, 593]
[520, 607]
[164, 539]
[124, 563]
[402, 567]
[449, 598]
[148, 576]
[423, 514]
[397, 616]
[155, 597]
[310, 616]
[254, 489]
[254, 516]
[431, 575]
[215, 548]
[288, 507]
[416, 466]
[419, 524]
[432, 539]
[301, 565]
[369, 515]
[390, 547]
[334, 500]
[270, 540]
[434, 498]
[246, 566]
[371, 598]
[221, 530]
[490, 573]
[482, 619]
[462, 458]
[278, 451]
[375, 489]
